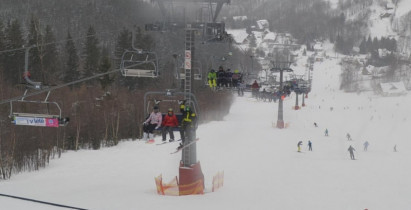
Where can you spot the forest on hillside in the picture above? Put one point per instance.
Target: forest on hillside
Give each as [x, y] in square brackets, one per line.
[73, 40]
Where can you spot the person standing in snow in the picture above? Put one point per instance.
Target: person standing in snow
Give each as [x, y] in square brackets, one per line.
[366, 145]
[348, 137]
[299, 145]
[326, 132]
[315, 124]
[395, 148]
[170, 121]
[152, 122]
[310, 146]
[351, 150]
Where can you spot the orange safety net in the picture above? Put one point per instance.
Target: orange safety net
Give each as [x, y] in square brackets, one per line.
[218, 181]
[159, 184]
[170, 188]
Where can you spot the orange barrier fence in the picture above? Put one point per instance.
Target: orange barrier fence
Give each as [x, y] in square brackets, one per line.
[173, 188]
[218, 181]
[170, 188]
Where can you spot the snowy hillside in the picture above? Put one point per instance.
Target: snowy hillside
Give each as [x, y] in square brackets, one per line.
[262, 167]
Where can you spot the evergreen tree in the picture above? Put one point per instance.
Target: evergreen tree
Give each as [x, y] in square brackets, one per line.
[253, 41]
[383, 43]
[104, 67]
[339, 44]
[14, 60]
[369, 44]
[363, 46]
[392, 45]
[50, 59]
[2, 47]
[91, 53]
[375, 44]
[143, 41]
[72, 61]
[123, 43]
[35, 56]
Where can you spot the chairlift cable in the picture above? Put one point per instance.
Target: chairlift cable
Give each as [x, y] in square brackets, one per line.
[59, 86]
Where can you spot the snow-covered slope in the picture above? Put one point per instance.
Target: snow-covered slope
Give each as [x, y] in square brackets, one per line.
[262, 168]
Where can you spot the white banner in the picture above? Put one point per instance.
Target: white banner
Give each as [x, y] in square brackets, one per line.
[36, 121]
[32, 121]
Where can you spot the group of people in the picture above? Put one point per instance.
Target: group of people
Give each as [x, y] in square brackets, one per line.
[170, 121]
[300, 143]
[224, 78]
[350, 148]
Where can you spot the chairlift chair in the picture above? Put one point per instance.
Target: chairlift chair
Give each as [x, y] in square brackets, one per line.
[38, 119]
[139, 63]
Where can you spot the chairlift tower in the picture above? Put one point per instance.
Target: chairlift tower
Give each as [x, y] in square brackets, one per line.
[189, 155]
[281, 66]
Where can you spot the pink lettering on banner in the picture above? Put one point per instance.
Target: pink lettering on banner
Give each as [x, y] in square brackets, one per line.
[51, 122]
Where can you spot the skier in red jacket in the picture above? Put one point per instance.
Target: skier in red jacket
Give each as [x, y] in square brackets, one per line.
[169, 122]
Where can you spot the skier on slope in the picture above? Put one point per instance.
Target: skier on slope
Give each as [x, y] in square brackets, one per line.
[366, 144]
[310, 146]
[300, 143]
[351, 150]
[349, 137]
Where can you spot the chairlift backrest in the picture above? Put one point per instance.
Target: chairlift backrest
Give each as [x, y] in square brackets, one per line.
[138, 63]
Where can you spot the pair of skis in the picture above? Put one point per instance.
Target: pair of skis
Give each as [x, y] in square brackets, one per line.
[185, 146]
[166, 142]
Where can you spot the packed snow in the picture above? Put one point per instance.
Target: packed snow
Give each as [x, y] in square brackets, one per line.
[262, 167]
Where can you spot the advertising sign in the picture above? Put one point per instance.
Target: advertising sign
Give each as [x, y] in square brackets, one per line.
[32, 121]
[36, 121]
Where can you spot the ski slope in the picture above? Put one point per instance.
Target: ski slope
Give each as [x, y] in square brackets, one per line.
[262, 167]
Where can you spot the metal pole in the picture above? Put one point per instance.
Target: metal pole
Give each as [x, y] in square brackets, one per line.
[296, 102]
[280, 121]
[303, 104]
